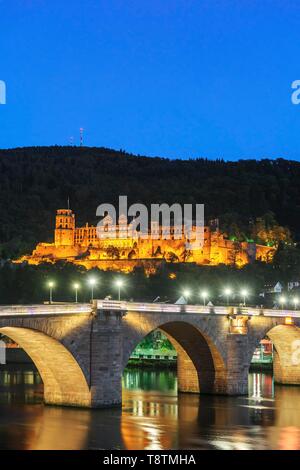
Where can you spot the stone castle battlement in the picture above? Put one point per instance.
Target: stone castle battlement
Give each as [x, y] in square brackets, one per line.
[126, 249]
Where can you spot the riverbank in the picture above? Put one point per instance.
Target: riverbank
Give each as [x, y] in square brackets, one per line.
[152, 363]
[261, 367]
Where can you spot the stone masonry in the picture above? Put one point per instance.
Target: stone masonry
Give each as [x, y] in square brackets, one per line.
[81, 356]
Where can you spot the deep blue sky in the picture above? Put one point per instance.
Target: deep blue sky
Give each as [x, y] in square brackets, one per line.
[175, 78]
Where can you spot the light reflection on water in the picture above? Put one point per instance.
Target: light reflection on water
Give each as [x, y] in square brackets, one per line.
[152, 416]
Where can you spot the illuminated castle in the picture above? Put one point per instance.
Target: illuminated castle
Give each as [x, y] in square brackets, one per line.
[121, 250]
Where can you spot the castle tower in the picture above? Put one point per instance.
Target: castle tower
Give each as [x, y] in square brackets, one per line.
[64, 228]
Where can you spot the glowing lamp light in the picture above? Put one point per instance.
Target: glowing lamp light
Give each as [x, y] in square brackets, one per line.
[227, 293]
[244, 294]
[76, 286]
[92, 282]
[186, 293]
[295, 302]
[282, 301]
[204, 296]
[119, 283]
[51, 284]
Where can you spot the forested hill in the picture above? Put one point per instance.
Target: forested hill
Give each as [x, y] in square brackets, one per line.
[36, 181]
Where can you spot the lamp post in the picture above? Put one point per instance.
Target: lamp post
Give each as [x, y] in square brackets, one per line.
[204, 296]
[282, 301]
[244, 294]
[50, 285]
[119, 284]
[92, 282]
[295, 302]
[76, 287]
[227, 293]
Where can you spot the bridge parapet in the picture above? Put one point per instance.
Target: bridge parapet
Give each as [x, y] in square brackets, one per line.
[148, 307]
[142, 307]
[45, 309]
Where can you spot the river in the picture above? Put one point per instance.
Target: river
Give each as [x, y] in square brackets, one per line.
[152, 416]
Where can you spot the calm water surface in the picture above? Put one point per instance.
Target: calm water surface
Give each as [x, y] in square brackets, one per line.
[152, 416]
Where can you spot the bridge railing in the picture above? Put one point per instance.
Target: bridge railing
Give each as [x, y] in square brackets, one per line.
[109, 305]
[44, 309]
[195, 309]
[166, 308]
[137, 306]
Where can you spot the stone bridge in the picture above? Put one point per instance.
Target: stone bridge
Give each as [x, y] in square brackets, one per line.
[81, 350]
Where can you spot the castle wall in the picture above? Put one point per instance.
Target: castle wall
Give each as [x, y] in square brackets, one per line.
[83, 247]
[264, 253]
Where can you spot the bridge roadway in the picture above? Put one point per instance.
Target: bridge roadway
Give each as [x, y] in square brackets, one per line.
[81, 350]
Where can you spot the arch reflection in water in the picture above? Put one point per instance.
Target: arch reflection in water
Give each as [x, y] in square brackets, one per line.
[26, 423]
[149, 379]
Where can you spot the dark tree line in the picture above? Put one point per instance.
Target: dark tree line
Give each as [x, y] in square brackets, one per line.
[23, 284]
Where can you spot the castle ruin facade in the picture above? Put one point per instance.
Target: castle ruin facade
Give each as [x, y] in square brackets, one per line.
[122, 249]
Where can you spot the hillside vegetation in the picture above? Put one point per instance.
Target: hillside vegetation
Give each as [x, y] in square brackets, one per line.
[36, 181]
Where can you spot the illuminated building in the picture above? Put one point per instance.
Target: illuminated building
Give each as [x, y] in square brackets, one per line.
[119, 248]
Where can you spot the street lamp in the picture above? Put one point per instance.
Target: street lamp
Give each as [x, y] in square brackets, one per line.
[227, 293]
[92, 282]
[244, 294]
[186, 293]
[204, 296]
[76, 287]
[282, 301]
[119, 284]
[296, 302]
[50, 285]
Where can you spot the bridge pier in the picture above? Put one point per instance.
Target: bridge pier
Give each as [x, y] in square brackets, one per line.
[237, 367]
[106, 360]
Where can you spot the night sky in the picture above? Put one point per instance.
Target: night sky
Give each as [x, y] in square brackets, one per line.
[174, 78]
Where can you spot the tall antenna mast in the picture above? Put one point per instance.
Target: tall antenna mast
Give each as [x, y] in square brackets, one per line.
[81, 136]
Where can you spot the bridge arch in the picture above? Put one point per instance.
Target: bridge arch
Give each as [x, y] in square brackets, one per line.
[63, 379]
[200, 364]
[286, 355]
